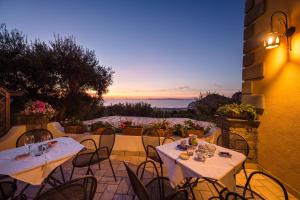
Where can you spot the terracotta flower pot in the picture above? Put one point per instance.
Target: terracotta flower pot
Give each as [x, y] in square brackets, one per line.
[75, 129]
[132, 131]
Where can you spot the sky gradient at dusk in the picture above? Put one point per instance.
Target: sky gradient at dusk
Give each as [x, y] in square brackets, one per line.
[170, 48]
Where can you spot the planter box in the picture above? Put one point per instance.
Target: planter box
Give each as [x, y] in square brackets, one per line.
[132, 131]
[199, 133]
[33, 121]
[247, 129]
[98, 131]
[75, 129]
[237, 123]
[164, 132]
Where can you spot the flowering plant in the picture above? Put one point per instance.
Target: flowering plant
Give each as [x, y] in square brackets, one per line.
[190, 125]
[38, 108]
[127, 123]
[161, 125]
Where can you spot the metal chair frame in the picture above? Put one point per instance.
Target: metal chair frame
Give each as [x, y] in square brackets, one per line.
[50, 177]
[88, 196]
[144, 187]
[147, 147]
[95, 154]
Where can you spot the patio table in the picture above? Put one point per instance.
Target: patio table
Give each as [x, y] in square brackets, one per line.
[35, 169]
[216, 167]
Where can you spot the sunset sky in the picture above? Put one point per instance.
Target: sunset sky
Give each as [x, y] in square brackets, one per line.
[158, 49]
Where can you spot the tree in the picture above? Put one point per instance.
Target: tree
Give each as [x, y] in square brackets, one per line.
[61, 72]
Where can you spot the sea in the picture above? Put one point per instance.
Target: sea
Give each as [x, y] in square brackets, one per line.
[158, 103]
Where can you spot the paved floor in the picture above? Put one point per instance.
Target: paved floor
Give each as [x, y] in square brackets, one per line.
[108, 188]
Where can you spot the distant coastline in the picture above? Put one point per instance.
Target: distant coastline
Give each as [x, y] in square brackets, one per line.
[162, 103]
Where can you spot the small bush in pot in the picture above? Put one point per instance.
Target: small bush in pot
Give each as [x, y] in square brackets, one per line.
[74, 126]
[129, 128]
[238, 111]
[163, 127]
[98, 127]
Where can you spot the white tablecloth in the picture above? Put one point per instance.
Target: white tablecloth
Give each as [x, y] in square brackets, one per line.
[216, 167]
[34, 169]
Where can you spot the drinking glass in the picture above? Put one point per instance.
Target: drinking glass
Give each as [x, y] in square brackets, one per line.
[190, 150]
[28, 141]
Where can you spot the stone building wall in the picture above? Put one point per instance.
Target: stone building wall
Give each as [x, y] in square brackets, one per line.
[271, 82]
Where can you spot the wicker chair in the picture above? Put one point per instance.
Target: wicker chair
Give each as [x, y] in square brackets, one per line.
[83, 188]
[39, 135]
[236, 143]
[87, 158]
[158, 188]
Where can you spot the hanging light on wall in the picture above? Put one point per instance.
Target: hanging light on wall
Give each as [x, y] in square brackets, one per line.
[273, 38]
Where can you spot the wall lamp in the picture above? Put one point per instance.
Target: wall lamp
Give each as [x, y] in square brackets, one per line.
[272, 39]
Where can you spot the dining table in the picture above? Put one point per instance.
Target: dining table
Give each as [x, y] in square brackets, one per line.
[25, 165]
[214, 167]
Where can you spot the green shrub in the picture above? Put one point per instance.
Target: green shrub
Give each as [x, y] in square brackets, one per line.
[238, 111]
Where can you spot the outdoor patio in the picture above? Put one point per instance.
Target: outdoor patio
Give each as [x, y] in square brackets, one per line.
[121, 190]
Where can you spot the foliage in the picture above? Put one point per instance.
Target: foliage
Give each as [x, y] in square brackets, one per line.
[100, 124]
[72, 122]
[38, 108]
[128, 124]
[239, 111]
[190, 125]
[61, 72]
[164, 124]
[206, 107]
[178, 130]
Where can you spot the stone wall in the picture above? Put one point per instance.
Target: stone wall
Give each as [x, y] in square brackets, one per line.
[271, 83]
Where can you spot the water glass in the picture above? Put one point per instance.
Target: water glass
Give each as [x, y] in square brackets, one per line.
[190, 150]
[28, 141]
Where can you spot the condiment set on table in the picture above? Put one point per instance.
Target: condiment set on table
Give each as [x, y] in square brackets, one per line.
[202, 150]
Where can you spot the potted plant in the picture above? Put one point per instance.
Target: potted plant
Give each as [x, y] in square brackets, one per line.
[74, 126]
[163, 128]
[192, 128]
[237, 115]
[128, 128]
[98, 127]
[36, 113]
[178, 130]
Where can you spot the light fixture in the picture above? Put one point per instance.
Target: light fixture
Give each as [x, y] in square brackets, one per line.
[272, 39]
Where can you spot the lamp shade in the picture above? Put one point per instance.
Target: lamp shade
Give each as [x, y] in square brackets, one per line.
[272, 40]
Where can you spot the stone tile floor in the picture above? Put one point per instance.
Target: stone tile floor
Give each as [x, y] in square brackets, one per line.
[108, 188]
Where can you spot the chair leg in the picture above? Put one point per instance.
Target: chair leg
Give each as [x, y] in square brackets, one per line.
[112, 169]
[142, 175]
[161, 170]
[72, 173]
[62, 173]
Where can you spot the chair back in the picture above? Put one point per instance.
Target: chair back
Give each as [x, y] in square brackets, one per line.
[7, 189]
[80, 188]
[150, 137]
[273, 179]
[137, 186]
[142, 167]
[107, 139]
[39, 135]
[234, 196]
[235, 142]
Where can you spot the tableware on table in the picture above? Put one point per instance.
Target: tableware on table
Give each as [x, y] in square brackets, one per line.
[190, 150]
[211, 149]
[201, 148]
[52, 143]
[183, 145]
[193, 140]
[22, 156]
[225, 154]
[184, 156]
[28, 141]
[200, 157]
